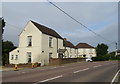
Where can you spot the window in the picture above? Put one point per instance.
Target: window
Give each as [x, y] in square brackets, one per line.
[12, 57]
[70, 50]
[29, 40]
[29, 57]
[50, 55]
[16, 58]
[84, 51]
[60, 55]
[50, 42]
[75, 51]
[91, 50]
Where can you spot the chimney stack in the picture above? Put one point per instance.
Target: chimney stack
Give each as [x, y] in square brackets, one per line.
[65, 39]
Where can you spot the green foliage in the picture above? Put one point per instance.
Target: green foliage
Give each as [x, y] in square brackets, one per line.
[7, 46]
[102, 53]
[102, 49]
[110, 56]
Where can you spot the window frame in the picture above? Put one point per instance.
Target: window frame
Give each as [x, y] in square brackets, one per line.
[16, 57]
[12, 57]
[29, 56]
[50, 42]
[50, 54]
[29, 41]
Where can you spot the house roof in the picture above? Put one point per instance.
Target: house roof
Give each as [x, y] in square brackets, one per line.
[118, 51]
[62, 50]
[68, 44]
[83, 45]
[47, 30]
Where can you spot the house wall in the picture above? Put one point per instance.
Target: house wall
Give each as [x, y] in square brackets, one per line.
[70, 53]
[35, 49]
[14, 53]
[89, 52]
[56, 44]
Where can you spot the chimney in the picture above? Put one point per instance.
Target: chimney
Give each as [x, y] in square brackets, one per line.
[65, 39]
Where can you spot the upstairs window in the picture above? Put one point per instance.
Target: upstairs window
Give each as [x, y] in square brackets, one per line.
[29, 38]
[50, 42]
[91, 50]
[70, 50]
[12, 57]
[75, 51]
[84, 50]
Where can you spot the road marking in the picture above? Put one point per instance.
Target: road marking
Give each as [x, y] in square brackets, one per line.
[96, 66]
[23, 72]
[94, 62]
[42, 69]
[53, 67]
[81, 70]
[49, 79]
[115, 77]
[62, 66]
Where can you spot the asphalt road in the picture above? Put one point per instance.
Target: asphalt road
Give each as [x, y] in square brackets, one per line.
[105, 71]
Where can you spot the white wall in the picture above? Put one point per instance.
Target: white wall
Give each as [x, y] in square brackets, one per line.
[71, 52]
[14, 53]
[35, 49]
[46, 49]
[87, 51]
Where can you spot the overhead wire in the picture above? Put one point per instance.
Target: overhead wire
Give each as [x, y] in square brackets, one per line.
[78, 21]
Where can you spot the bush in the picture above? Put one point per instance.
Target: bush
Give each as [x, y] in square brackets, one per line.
[106, 57]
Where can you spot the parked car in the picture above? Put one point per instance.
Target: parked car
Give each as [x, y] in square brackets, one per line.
[89, 60]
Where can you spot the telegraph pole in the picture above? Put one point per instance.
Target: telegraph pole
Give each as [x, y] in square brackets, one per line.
[116, 48]
[2, 24]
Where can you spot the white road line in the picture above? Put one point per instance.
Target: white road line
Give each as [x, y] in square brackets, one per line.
[42, 69]
[53, 67]
[62, 66]
[115, 77]
[81, 70]
[94, 62]
[23, 72]
[96, 66]
[49, 79]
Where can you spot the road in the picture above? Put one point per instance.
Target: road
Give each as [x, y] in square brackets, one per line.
[104, 71]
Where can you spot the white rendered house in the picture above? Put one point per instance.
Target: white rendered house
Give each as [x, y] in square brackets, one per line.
[85, 50]
[38, 44]
[72, 51]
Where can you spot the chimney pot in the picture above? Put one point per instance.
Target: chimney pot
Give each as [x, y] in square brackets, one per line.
[65, 39]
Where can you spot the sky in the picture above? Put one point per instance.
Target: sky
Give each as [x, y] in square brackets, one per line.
[101, 17]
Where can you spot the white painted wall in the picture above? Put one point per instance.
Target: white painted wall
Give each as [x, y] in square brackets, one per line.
[35, 49]
[46, 49]
[14, 53]
[71, 52]
[90, 52]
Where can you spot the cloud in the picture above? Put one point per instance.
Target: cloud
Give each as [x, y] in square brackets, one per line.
[98, 16]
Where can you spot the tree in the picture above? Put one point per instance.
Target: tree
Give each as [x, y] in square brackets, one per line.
[102, 52]
[102, 49]
[7, 46]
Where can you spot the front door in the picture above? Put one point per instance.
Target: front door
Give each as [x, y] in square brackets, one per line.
[60, 55]
[29, 57]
